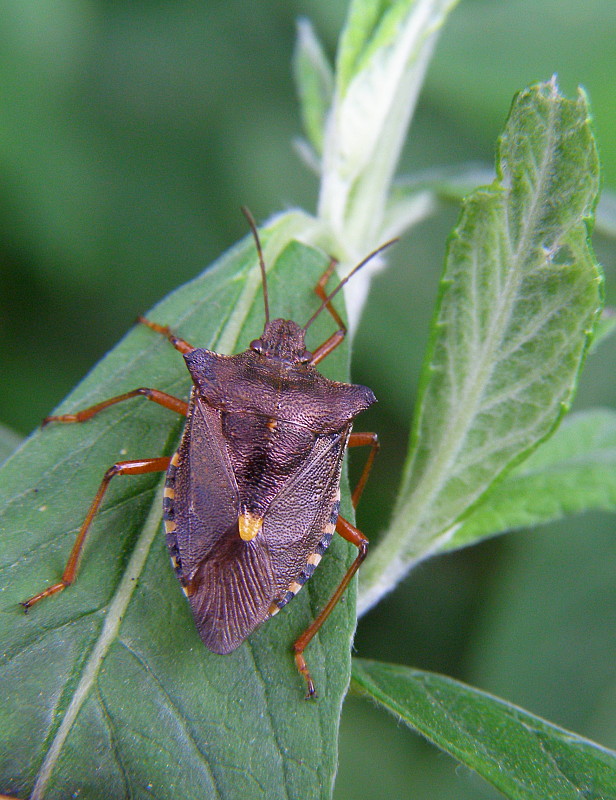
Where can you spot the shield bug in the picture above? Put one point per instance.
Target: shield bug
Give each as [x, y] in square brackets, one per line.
[252, 493]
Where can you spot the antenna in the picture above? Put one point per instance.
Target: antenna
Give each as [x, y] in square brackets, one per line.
[348, 278]
[255, 233]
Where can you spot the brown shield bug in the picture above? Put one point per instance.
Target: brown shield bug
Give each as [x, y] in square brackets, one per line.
[252, 493]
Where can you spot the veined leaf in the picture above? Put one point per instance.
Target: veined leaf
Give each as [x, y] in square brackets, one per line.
[525, 757]
[573, 471]
[518, 303]
[107, 690]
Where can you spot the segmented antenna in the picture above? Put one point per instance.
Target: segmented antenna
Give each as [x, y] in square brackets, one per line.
[255, 233]
[347, 278]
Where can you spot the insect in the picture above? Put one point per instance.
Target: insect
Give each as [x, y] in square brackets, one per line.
[252, 493]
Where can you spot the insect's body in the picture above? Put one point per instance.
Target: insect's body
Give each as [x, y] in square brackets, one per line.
[252, 493]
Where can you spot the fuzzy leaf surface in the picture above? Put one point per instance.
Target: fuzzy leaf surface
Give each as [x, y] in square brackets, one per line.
[518, 304]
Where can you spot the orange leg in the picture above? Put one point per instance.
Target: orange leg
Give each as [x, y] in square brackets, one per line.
[356, 537]
[327, 347]
[336, 338]
[163, 399]
[320, 291]
[121, 468]
[178, 343]
[360, 440]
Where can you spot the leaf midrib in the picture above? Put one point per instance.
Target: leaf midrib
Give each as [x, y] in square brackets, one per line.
[477, 379]
[109, 632]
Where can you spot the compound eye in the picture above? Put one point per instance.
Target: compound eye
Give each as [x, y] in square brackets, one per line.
[305, 357]
[256, 345]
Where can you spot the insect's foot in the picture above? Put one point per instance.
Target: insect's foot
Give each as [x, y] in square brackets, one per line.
[302, 668]
[311, 692]
[61, 418]
[57, 587]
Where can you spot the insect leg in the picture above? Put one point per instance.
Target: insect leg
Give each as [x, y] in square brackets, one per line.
[179, 344]
[356, 537]
[120, 468]
[326, 348]
[162, 398]
[322, 294]
[358, 440]
[336, 338]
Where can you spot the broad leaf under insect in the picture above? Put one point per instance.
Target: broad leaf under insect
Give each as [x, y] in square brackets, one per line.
[102, 682]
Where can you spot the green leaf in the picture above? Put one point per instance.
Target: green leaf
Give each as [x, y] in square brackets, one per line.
[9, 442]
[525, 757]
[573, 471]
[518, 303]
[107, 690]
[314, 81]
[362, 20]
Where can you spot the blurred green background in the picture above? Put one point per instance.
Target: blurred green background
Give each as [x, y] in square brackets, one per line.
[130, 135]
